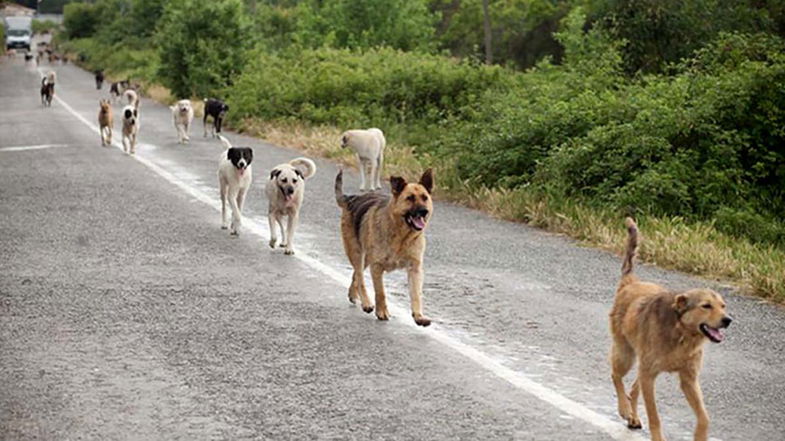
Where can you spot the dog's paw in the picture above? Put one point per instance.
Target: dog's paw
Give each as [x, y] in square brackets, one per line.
[634, 423]
[289, 251]
[382, 314]
[421, 320]
[283, 245]
[272, 243]
[367, 309]
[224, 227]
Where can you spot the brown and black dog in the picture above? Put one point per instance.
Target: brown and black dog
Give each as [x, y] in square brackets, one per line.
[106, 122]
[387, 234]
[665, 331]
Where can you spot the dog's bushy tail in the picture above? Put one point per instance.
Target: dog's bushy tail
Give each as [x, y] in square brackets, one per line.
[305, 165]
[627, 275]
[227, 145]
[340, 198]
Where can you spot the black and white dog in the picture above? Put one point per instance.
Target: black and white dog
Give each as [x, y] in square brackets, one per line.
[116, 89]
[99, 79]
[48, 89]
[234, 179]
[130, 127]
[217, 110]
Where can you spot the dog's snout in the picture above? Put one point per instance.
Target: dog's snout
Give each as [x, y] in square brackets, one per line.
[421, 211]
[726, 321]
[289, 190]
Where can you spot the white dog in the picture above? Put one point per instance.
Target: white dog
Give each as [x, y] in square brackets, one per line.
[182, 115]
[369, 146]
[285, 191]
[234, 178]
[131, 98]
[130, 127]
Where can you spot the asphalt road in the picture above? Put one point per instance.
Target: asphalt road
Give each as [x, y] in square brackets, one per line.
[127, 313]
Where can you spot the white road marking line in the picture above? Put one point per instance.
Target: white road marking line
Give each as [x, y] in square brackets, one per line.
[614, 428]
[22, 148]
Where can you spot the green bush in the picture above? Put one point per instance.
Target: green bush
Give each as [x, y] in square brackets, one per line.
[343, 87]
[41, 26]
[400, 24]
[80, 20]
[202, 45]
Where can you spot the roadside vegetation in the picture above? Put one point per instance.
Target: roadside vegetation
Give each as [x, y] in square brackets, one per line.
[577, 113]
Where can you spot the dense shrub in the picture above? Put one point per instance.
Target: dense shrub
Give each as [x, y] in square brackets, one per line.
[703, 143]
[345, 87]
[80, 20]
[400, 24]
[202, 45]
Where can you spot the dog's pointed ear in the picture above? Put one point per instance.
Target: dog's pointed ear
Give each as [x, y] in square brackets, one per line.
[274, 174]
[397, 184]
[427, 180]
[681, 303]
[299, 173]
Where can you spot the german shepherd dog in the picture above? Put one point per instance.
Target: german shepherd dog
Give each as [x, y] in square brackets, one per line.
[665, 331]
[387, 234]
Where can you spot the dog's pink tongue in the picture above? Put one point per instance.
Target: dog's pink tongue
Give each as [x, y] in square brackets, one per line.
[716, 334]
[288, 197]
[241, 171]
[418, 222]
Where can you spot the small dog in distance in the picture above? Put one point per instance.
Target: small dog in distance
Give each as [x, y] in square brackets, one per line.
[216, 109]
[369, 146]
[48, 88]
[182, 115]
[106, 122]
[99, 79]
[130, 128]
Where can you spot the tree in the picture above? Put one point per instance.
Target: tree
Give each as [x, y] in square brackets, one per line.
[202, 45]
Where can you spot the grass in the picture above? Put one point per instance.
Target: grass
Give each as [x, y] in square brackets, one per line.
[693, 247]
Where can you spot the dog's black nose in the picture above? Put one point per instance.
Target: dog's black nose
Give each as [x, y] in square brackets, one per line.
[726, 321]
[289, 190]
[422, 212]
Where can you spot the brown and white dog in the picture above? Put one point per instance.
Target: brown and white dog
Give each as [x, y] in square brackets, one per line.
[665, 332]
[285, 191]
[182, 115]
[387, 234]
[106, 122]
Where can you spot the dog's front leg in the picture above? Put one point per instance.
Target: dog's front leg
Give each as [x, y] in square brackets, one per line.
[377, 274]
[363, 166]
[291, 225]
[234, 228]
[379, 165]
[646, 381]
[224, 218]
[271, 219]
[692, 391]
[415, 294]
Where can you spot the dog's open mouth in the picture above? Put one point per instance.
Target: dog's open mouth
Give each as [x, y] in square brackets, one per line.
[240, 171]
[416, 221]
[713, 334]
